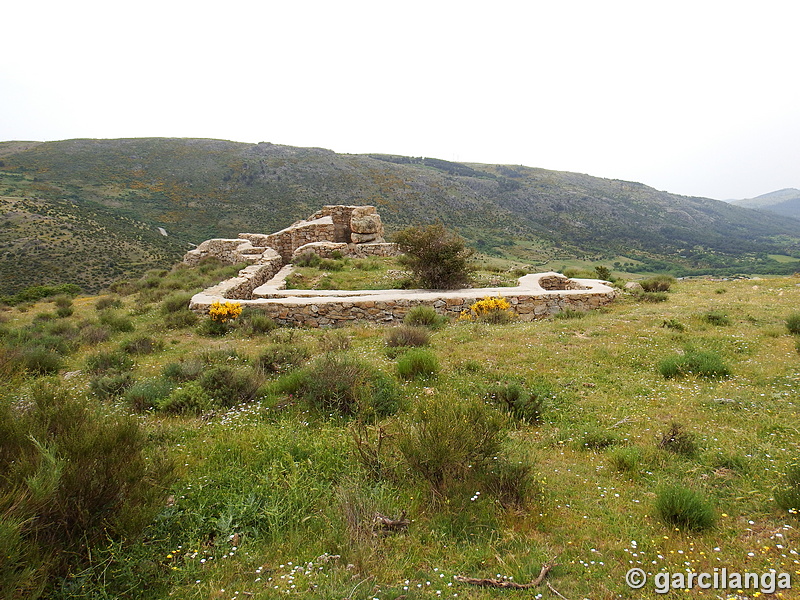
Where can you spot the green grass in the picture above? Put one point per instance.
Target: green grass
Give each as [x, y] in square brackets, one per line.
[271, 473]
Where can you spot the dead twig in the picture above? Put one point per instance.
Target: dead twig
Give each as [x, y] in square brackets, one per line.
[552, 589]
[510, 585]
[384, 524]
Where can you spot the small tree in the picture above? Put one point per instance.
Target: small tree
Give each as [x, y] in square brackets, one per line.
[437, 257]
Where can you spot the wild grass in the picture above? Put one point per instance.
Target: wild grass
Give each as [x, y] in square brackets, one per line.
[273, 476]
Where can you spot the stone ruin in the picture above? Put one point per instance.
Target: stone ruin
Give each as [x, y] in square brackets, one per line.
[350, 230]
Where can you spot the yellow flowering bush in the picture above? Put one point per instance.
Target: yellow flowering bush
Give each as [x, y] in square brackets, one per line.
[492, 309]
[222, 312]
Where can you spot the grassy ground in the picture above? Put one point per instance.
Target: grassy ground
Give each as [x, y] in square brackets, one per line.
[277, 498]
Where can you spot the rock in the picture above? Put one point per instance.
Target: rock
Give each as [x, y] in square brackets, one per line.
[633, 286]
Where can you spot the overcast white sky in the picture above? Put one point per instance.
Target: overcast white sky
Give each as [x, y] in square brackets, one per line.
[693, 97]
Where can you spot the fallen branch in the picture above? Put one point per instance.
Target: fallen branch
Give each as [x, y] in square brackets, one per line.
[385, 524]
[552, 589]
[510, 585]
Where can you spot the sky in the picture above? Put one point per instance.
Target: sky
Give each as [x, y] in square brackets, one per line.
[699, 98]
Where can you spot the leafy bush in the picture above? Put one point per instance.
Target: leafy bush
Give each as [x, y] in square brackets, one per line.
[180, 319]
[407, 336]
[279, 358]
[495, 310]
[787, 493]
[223, 312]
[147, 394]
[176, 302]
[569, 313]
[793, 323]
[424, 316]
[229, 386]
[679, 441]
[142, 345]
[64, 311]
[603, 272]
[684, 508]
[698, 363]
[334, 341]
[521, 403]
[185, 370]
[447, 442]
[256, 322]
[74, 478]
[110, 386]
[107, 302]
[104, 362]
[437, 257]
[41, 360]
[417, 363]
[188, 399]
[116, 322]
[715, 317]
[345, 385]
[674, 324]
[659, 283]
[307, 259]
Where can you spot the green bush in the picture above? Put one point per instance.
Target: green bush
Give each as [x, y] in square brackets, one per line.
[659, 283]
[653, 297]
[107, 302]
[626, 459]
[596, 438]
[793, 323]
[188, 399]
[448, 442]
[107, 387]
[280, 358]
[407, 336]
[334, 341]
[684, 508]
[256, 322]
[103, 362]
[424, 316]
[147, 394]
[569, 313]
[180, 319]
[521, 403]
[437, 257]
[41, 360]
[74, 479]
[307, 259]
[417, 363]
[184, 370]
[787, 493]
[116, 322]
[92, 334]
[64, 311]
[228, 386]
[176, 302]
[715, 317]
[142, 345]
[338, 383]
[603, 272]
[674, 324]
[706, 364]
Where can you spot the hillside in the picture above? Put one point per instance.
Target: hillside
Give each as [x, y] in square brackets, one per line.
[88, 211]
[784, 202]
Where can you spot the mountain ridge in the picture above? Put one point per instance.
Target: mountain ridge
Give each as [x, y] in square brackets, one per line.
[197, 189]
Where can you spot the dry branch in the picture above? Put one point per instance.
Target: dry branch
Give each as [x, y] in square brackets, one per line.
[506, 584]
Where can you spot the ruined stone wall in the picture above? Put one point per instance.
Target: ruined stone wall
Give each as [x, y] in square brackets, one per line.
[248, 279]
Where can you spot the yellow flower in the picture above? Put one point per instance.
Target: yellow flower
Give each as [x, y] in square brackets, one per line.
[224, 311]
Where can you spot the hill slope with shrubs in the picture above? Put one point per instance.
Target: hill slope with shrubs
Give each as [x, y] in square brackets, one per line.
[145, 453]
[89, 211]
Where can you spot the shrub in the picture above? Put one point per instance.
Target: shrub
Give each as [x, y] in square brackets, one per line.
[40, 360]
[256, 322]
[228, 386]
[104, 362]
[407, 336]
[495, 310]
[116, 322]
[279, 358]
[74, 479]
[715, 317]
[700, 364]
[603, 272]
[111, 386]
[417, 363]
[598, 439]
[674, 324]
[64, 311]
[424, 316]
[436, 256]
[569, 313]
[521, 403]
[142, 345]
[334, 341]
[653, 297]
[147, 394]
[223, 312]
[107, 302]
[684, 508]
[512, 483]
[188, 399]
[180, 319]
[184, 370]
[626, 459]
[176, 302]
[679, 441]
[787, 493]
[793, 323]
[659, 283]
[343, 384]
[447, 442]
[307, 259]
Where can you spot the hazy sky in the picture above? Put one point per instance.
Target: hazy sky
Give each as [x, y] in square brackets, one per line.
[697, 97]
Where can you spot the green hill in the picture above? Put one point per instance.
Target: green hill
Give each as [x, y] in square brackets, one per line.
[784, 202]
[88, 211]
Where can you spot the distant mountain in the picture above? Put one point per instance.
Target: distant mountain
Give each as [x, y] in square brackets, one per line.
[89, 211]
[783, 202]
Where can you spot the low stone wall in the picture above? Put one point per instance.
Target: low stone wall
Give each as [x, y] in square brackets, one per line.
[529, 300]
[241, 287]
